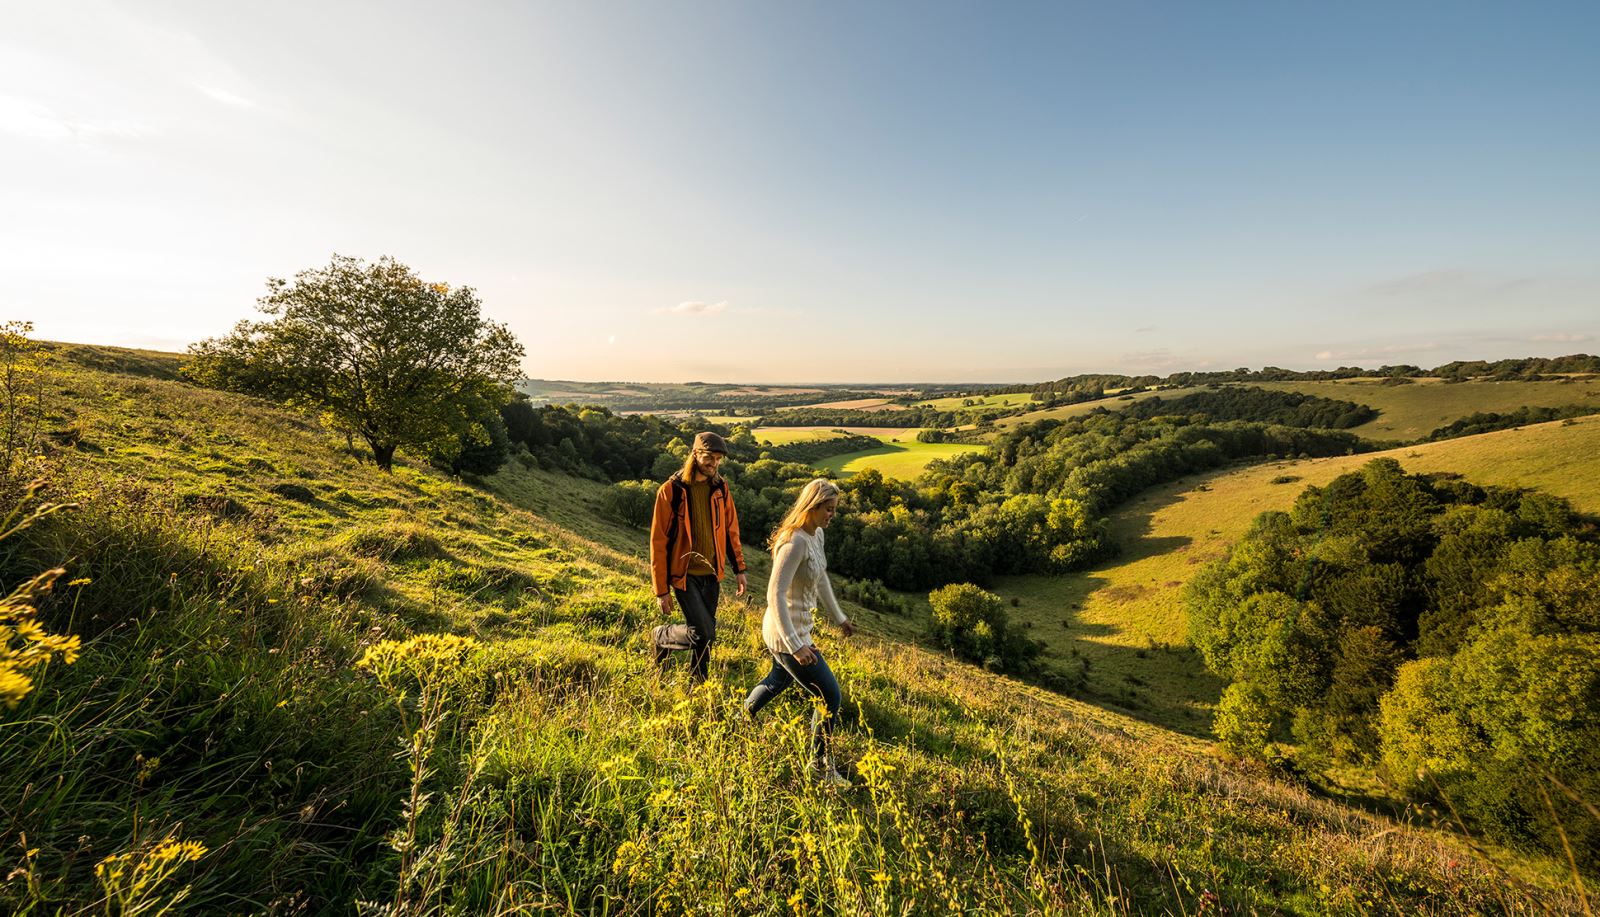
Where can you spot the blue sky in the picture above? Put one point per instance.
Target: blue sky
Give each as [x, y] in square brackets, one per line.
[825, 191]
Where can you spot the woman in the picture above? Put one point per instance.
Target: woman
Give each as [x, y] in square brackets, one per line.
[799, 583]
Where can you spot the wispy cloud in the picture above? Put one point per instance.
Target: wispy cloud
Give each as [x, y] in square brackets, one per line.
[1146, 329]
[1152, 360]
[37, 121]
[1561, 337]
[1387, 350]
[1451, 281]
[695, 307]
[231, 99]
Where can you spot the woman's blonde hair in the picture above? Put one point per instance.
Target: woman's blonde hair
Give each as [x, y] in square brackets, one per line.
[813, 495]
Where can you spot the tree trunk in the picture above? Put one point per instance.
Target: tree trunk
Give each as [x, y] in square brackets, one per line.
[383, 455]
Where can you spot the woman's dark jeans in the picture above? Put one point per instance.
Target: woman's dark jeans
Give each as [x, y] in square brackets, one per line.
[699, 630]
[816, 678]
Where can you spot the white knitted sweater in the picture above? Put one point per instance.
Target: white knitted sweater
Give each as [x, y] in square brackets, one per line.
[799, 584]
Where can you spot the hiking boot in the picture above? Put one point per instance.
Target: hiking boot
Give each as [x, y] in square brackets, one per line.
[826, 775]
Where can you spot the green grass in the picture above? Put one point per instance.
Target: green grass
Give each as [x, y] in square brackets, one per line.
[981, 403]
[1127, 618]
[1110, 403]
[241, 560]
[895, 460]
[782, 436]
[1410, 412]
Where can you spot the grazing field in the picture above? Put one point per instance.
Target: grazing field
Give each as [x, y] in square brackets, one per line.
[979, 402]
[857, 404]
[1110, 403]
[782, 436]
[896, 460]
[1126, 617]
[1410, 412]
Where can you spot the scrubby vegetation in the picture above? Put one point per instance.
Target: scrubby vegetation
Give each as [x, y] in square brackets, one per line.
[1292, 409]
[1488, 421]
[1442, 634]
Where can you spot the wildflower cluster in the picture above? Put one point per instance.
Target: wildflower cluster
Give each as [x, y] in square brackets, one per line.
[132, 881]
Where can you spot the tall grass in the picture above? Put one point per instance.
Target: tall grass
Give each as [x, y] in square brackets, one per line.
[476, 729]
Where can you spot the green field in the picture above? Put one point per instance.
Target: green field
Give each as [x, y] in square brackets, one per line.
[980, 403]
[782, 436]
[896, 460]
[1110, 403]
[1127, 616]
[1411, 412]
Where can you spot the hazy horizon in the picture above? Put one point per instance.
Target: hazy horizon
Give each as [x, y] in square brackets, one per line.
[824, 193]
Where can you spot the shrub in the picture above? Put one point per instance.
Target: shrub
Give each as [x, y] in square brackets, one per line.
[973, 623]
[630, 502]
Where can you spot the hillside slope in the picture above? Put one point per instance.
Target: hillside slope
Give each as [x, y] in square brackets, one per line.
[1126, 616]
[232, 564]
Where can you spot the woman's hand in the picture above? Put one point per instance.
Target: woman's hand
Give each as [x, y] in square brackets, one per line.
[847, 628]
[805, 655]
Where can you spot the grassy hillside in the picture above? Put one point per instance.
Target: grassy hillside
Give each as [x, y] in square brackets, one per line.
[1110, 403]
[980, 403]
[896, 460]
[1410, 412]
[1126, 617]
[781, 436]
[267, 621]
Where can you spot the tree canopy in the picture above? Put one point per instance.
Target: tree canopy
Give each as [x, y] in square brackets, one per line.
[381, 353]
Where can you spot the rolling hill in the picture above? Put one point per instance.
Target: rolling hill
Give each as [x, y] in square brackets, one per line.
[267, 619]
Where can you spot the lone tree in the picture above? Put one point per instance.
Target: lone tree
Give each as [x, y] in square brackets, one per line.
[379, 352]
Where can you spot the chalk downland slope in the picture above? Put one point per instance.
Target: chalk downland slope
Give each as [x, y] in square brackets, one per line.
[232, 562]
[1126, 617]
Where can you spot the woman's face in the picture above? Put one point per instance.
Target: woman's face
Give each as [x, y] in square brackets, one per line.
[823, 512]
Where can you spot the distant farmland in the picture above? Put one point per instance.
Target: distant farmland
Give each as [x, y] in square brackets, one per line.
[782, 436]
[896, 460]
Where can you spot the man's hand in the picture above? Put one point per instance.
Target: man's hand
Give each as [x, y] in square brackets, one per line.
[742, 581]
[805, 655]
[847, 628]
[665, 601]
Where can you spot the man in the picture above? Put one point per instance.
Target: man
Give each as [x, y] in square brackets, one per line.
[693, 535]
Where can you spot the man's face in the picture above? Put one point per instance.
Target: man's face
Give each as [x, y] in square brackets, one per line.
[708, 462]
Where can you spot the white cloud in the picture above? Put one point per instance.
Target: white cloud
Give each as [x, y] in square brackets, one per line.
[1387, 350]
[225, 97]
[695, 307]
[1560, 337]
[37, 121]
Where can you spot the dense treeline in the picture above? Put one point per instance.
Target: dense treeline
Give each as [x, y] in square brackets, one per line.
[1524, 368]
[1489, 421]
[1294, 409]
[1444, 634]
[817, 450]
[593, 442]
[919, 416]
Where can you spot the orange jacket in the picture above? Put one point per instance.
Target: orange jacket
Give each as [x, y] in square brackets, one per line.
[671, 545]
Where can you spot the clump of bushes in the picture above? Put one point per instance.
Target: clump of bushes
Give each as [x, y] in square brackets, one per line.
[630, 502]
[973, 623]
[873, 594]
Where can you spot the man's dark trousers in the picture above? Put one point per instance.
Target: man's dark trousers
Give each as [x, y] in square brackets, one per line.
[699, 603]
